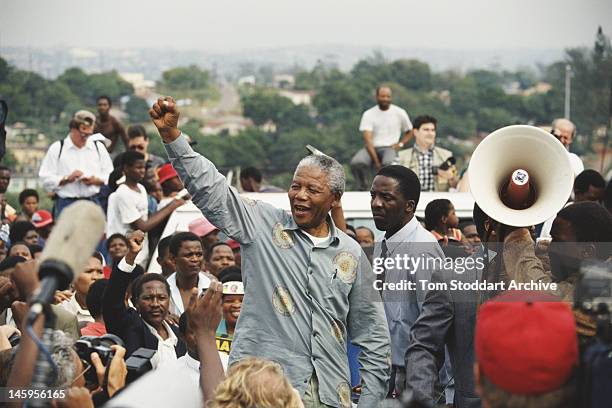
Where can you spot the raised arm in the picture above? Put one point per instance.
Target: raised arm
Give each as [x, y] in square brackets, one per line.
[368, 329]
[220, 204]
[113, 304]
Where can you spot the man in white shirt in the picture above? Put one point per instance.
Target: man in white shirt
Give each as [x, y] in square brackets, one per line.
[565, 130]
[187, 255]
[128, 206]
[76, 167]
[382, 126]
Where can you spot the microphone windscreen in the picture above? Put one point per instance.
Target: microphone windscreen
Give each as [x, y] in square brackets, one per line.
[75, 236]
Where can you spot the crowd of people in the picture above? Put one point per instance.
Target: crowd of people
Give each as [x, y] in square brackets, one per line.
[240, 304]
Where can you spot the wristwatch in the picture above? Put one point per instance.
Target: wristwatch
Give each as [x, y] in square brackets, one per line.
[400, 144]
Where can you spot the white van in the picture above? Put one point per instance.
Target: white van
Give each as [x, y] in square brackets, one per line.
[356, 206]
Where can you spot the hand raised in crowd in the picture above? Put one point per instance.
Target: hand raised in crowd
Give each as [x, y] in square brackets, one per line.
[117, 370]
[76, 397]
[20, 311]
[172, 319]
[165, 117]
[135, 241]
[8, 293]
[25, 278]
[62, 296]
[205, 311]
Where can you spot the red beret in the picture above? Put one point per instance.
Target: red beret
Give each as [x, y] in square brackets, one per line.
[166, 172]
[526, 342]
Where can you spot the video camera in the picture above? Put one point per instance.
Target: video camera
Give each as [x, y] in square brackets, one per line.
[594, 295]
[447, 164]
[101, 345]
[138, 363]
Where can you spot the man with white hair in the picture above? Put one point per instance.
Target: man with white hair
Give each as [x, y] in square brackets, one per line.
[565, 130]
[307, 285]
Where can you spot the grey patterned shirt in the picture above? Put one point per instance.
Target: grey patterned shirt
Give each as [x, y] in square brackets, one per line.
[301, 301]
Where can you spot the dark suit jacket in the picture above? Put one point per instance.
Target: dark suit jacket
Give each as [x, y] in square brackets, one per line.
[448, 317]
[126, 322]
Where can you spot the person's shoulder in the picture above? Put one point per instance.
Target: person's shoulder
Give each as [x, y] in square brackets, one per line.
[424, 236]
[55, 145]
[443, 152]
[371, 111]
[62, 311]
[115, 121]
[347, 242]
[406, 153]
[397, 109]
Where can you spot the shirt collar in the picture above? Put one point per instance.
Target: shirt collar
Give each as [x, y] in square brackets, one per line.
[78, 308]
[405, 231]
[419, 150]
[333, 231]
[172, 339]
[89, 144]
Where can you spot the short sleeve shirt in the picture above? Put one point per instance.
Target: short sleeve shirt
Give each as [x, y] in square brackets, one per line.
[387, 126]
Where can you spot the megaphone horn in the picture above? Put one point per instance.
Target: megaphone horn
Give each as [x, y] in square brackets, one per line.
[520, 175]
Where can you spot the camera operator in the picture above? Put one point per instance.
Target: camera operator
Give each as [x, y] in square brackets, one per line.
[434, 165]
[71, 369]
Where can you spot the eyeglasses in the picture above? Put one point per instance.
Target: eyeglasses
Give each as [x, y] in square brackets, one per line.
[86, 368]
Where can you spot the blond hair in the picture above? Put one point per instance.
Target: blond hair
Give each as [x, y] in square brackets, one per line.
[254, 382]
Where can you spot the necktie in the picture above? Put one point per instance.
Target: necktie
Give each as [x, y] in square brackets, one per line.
[383, 255]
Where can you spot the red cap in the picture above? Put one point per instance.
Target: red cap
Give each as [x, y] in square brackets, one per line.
[201, 227]
[166, 172]
[41, 218]
[232, 244]
[526, 342]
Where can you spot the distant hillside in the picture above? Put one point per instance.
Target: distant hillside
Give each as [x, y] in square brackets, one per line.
[152, 62]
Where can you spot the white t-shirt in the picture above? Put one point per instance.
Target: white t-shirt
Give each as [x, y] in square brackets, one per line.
[124, 207]
[576, 162]
[166, 353]
[386, 126]
[317, 240]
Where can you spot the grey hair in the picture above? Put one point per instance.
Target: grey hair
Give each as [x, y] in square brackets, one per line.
[63, 353]
[561, 121]
[329, 166]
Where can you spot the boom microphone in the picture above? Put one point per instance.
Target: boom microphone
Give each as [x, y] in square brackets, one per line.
[69, 247]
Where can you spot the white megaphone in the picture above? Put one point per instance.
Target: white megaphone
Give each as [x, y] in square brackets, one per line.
[520, 175]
